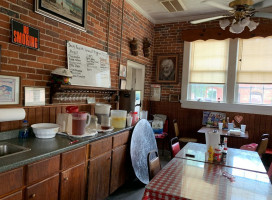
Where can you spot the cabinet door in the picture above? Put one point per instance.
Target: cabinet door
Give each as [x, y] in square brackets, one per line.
[15, 196]
[120, 167]
[99, 176]
[44, 190]
[72, 183]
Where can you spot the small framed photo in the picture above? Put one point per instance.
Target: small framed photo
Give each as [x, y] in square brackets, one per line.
[123, 71]
[173, 98]
[123, 84]
[155, 92]
[167, 69]
[10, 90]
[34, 96]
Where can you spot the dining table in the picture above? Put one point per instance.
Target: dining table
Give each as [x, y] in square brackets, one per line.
[222, 132]
[236, 158]
[189, 179]
[190, 176]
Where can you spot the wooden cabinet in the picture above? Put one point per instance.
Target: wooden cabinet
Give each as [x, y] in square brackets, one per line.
[15, 196]
[99, 176]
[72, 183]
[42, 169]
[44, 190]
[11, 181]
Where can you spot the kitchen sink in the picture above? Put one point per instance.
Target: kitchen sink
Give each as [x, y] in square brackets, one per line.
[7, 149]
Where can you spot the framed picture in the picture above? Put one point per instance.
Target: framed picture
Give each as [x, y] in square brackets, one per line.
[70, 12]
[123, 84]
[34, 96]
[10, 90]
[173, 98]
[167, 69]
[123, 71]
[155, 92]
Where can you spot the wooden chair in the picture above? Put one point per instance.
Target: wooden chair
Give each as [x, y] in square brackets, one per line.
[154, 165]
[262, 146]
[182, 139]
[174, 146]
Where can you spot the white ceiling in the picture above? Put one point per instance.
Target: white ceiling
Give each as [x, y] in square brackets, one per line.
[195, 9]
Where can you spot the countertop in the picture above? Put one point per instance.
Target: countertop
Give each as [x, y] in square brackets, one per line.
[45, 148]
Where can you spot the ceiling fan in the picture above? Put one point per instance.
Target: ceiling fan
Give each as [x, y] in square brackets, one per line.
[240, 11]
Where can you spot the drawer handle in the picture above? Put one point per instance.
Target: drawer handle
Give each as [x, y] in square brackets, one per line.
[33, 196]
[109, 158]
[66, 178]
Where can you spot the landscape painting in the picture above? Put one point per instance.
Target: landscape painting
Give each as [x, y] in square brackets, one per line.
[67, 11]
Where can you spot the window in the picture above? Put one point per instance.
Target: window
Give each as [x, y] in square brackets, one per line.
[235, 72]
[208, 66]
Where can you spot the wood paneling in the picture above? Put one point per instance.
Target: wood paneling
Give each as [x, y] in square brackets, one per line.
[120, 139]
[15, 196]
[100, 146]
[45, 114]
[190, 121]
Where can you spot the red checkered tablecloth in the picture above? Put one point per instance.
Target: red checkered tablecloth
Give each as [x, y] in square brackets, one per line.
[187, 179]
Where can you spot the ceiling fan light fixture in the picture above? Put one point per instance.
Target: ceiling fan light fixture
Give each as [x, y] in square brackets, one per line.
[245, 22]
[252, 25]
[236, 28]
[224, 23]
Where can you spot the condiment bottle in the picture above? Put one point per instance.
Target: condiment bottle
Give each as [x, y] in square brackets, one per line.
[210, 151]
[224, 155]
[217, 154]
[23, 132]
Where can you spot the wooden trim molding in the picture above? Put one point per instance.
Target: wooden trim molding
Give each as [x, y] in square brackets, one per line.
[263, 30]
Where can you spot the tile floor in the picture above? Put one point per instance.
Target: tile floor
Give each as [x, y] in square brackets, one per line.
[135, 189]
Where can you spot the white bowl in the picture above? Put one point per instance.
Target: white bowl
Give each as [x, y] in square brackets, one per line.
[45, 130]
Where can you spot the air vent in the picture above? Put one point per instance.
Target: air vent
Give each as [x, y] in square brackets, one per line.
[173, 5]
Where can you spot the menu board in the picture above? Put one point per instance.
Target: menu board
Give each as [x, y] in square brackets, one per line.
[89, 66]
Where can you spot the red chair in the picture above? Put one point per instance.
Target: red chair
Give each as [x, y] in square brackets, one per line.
[270, 172]
[174, 146]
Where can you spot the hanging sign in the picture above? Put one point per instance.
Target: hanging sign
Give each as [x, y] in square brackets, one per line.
[25, 35]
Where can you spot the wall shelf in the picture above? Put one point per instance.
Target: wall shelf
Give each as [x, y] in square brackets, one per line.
[54, 88]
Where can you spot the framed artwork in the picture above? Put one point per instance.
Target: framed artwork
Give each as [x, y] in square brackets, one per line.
[123, 84]
[211, 119]
[9, 90]
[173, 98]
[123, 71]
[167, 69]
[70, 12]
[34, 96]
[155, 92]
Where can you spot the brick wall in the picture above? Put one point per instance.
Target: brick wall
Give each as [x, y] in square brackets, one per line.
[34, 66]
[168, 40]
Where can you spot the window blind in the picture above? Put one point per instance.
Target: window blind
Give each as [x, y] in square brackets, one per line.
[255, 61]
[209, 60]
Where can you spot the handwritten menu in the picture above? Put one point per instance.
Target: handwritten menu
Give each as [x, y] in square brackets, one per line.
[89, 66]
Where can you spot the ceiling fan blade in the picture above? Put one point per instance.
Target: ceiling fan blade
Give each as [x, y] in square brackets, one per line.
[263, 15]
[263, 4]
[217, 5]
[206, 19]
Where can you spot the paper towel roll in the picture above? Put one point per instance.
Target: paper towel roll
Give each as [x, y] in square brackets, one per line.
[212, 139]
[11, 114]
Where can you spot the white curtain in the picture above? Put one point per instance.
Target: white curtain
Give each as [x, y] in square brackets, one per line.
[209, 61]
[255, 60]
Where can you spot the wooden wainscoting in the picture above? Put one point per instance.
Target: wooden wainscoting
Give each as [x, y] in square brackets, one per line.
[190, 120]
[41, 114]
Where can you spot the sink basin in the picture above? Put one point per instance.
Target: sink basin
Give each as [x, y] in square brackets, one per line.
[7, 149]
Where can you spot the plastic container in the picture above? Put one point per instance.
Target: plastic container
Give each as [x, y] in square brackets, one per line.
[23, 132]
[135, 118]
[118, 118]
[102, 109]
[143, 114]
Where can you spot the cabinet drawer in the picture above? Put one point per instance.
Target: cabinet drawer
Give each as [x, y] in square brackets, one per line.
[73, 157]
[120, 139]
[11, 180]
[47, 189]
[101, 146]
[15, 196]
[43, 169]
